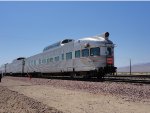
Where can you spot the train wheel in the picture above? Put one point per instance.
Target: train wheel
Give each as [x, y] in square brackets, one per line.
[72, 75]
[86, 76]
[101, 77]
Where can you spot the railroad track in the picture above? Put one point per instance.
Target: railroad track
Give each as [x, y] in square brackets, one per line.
[142, 79]
[139, 79]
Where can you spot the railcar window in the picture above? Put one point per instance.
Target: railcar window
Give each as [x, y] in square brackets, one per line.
[48, 60]
[109, 51]
[34, 62]
[62, 56]
[95, 51]
[77, 54]
[68, 55]
[43, 61]
[85, 52]
[57, 58]
[51, 59]
[66, 41]
[39, 61]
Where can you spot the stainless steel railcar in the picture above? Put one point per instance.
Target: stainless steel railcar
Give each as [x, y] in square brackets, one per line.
[88, 57]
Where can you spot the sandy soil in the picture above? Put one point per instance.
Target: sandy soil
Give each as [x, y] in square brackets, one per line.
[13, 102]
[70, 101]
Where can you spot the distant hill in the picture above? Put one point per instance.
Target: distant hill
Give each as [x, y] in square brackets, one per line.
[145, 67]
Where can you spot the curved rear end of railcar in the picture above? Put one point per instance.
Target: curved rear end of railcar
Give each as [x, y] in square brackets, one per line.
[94, 56]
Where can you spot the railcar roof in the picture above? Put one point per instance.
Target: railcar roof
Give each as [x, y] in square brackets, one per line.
[95, 39]
[57, 44]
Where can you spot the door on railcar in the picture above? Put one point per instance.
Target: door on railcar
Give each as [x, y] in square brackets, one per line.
[110, 69]
[109, 56]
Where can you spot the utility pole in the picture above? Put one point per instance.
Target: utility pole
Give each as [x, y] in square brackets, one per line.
[130, 66]
[23, 64]
[5, 68]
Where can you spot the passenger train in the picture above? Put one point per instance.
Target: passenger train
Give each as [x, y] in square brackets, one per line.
[86, 57]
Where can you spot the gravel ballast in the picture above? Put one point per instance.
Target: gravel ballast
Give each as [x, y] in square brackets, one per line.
[13, 102]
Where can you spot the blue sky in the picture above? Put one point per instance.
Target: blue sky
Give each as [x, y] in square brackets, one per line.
[27, 27]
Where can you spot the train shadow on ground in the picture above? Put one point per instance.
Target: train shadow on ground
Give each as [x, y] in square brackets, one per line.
[140, 79]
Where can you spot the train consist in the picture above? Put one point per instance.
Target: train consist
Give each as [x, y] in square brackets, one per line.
[87, 57]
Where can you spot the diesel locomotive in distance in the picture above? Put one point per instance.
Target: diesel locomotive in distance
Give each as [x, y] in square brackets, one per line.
[86, 57]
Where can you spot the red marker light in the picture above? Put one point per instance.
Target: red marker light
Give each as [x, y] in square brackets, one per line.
[109, 60]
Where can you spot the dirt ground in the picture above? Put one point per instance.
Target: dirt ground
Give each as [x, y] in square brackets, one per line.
[30, 98]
